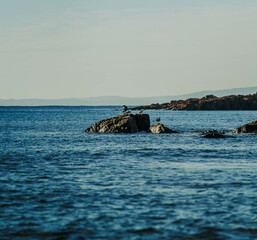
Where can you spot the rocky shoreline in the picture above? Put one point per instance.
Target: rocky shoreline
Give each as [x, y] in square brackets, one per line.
[209, 102]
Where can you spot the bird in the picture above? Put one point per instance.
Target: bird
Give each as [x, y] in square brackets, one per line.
[125, 108]
[158, 119]
[140, 112]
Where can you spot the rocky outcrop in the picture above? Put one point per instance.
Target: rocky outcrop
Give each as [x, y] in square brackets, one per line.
[159, 128]
[126, 123]
[142, 121]
[209, 102]
[215, 134]
[212, 134]
[247, 128]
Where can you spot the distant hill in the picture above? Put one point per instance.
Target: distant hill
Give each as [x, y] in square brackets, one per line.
[116, 100]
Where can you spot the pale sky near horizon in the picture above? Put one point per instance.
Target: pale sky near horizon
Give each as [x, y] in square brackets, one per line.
[132, 48]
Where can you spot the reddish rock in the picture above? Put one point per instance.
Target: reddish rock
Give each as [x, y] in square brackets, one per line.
[210, 102]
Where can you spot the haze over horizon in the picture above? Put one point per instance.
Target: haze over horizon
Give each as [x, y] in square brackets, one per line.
[219, 93]
[144, 48]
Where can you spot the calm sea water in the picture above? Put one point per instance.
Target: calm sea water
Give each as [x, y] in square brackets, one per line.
[58, 182]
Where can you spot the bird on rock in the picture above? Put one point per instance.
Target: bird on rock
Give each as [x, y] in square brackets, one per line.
[158, 119]
[125, 108]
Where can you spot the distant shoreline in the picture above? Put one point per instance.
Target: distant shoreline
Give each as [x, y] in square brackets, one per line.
[119, 101]
[209, 102]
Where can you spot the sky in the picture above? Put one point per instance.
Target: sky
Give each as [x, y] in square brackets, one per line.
[134, 48]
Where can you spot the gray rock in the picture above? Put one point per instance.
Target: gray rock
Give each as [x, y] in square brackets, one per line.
[247, 128]
[159, 128]
[215, 134]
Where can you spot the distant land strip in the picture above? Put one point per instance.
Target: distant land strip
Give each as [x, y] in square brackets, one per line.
[119, 100]
[209, 102]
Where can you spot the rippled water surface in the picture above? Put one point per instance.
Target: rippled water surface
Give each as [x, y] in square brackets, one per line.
[58, 182]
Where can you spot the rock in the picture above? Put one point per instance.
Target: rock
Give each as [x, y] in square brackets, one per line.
[212, 134]
[213, 131]
[142, 121]
[209, 102]
[126, 123]
[215, 134]
[247, 128]
[159, 128]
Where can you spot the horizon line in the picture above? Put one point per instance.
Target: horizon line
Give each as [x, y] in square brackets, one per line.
[110, 96]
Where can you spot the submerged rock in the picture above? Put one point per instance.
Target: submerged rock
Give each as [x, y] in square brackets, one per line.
[159, 128]
[215, 134]
[212, 134]
[247, 128]
[126, 123]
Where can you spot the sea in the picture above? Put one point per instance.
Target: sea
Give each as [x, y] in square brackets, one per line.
[58, 182]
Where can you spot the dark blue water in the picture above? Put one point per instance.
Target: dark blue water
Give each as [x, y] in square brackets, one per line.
[58, 182]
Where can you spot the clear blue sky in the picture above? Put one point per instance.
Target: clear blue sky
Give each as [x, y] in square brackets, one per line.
[84, 48]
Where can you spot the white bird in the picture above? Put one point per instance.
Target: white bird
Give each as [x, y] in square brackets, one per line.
[158, 119]
[140, 112]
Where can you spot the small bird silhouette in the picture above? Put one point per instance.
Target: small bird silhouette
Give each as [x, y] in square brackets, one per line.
[125, 108]
[158, 119]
